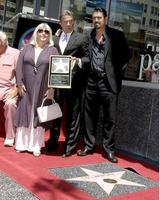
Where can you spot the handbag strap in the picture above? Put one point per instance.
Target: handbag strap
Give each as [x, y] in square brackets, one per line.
[53, 101]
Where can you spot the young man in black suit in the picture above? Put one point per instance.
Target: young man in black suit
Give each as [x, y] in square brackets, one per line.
[69, 42]
[108, 53]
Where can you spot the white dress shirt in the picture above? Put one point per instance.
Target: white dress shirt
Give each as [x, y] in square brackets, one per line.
[64, 38]
[63, 41]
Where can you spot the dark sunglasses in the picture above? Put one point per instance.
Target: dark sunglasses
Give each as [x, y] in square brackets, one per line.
[41, 31]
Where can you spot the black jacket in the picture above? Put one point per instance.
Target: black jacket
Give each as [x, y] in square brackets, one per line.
[76, 47]
[119, 55]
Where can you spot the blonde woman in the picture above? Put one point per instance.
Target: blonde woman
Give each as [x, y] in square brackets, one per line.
[32, 73]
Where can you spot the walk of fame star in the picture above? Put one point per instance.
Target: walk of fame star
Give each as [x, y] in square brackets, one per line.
[106, 181]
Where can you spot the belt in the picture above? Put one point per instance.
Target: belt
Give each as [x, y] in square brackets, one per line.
[98, 75]
[101, 75]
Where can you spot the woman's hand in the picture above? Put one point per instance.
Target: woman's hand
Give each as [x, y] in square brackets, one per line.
[50, 93]
[21, 90]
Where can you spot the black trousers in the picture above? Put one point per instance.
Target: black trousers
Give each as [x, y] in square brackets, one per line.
[98, 91]
[72, 102]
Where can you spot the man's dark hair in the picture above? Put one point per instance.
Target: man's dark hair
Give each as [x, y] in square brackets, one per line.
[102, 10]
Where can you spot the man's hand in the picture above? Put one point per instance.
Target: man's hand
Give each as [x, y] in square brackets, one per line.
[58, 32]
[74, 61]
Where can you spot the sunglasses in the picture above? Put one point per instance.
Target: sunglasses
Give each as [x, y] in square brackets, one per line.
[41, 31]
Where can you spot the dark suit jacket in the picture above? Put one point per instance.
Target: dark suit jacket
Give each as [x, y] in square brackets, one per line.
[76, 48]
[119, 55]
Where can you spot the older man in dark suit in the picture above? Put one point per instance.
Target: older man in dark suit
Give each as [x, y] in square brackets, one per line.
[69, 42]
[108, 52]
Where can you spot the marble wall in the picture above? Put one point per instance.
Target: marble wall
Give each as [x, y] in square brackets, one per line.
[137, 130]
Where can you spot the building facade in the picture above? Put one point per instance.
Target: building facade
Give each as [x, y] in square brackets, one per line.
[138, 19]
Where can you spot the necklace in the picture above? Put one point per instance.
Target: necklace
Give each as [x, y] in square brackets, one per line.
[38, 50]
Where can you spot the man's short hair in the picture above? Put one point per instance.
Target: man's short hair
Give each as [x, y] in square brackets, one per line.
[102, 10]
[66, 13]
[3, 38]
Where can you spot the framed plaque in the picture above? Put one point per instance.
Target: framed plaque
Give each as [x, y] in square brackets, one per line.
[59, 75]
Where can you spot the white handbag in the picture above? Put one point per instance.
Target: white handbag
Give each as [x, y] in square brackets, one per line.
[48, 113]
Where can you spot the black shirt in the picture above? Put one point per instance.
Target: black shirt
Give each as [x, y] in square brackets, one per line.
[97, 61]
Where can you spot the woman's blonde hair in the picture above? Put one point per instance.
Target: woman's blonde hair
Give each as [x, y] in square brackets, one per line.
[3, 38]
[43, 26]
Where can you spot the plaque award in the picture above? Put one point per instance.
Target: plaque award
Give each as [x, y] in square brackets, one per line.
[60, 72]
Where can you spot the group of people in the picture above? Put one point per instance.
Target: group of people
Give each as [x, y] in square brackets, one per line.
[99, 56]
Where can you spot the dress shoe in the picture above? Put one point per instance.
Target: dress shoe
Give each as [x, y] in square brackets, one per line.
[51, 146]
[19, 151]
[84, 152]
[66, 154]
[9, 142]
[111, 157]
[37, 153]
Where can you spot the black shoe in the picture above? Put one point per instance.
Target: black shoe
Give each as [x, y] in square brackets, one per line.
[66, 154]
[84, 152]
[51, 146]
[111, 157]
